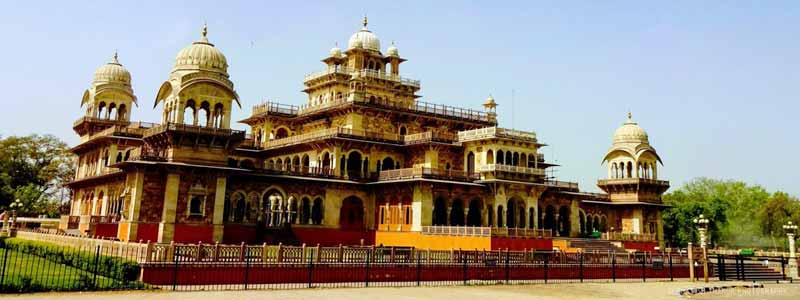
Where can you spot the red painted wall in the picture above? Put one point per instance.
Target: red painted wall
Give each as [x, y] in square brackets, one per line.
[185, 233]
[502, 243]
[106, 230]
[233, 273]
[237, 233]
[641, 246]
[333, 237]
[147, 232]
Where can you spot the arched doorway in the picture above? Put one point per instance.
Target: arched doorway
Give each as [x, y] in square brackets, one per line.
[511, 213]
[582, 222]
[549, 221]
[305, 214]
[457, 213]
[354, 165]
[474, 213]
[500, 216]
[387, 164]
[563, 221]
[470, 163]
[351, 215]
[439, 212]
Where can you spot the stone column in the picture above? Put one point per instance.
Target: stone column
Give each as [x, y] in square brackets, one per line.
[421, 206]
[136, 186]
[219, 209]
[793, 265]
[166, 229]
[574, 218]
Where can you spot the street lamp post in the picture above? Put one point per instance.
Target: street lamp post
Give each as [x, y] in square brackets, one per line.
[14, 206]
[791, 229]
[702, 228]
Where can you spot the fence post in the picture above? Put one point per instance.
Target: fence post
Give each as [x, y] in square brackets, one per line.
[669, 257]
[464, 261]
[783, 268]
[507, 270]
[246, 272]
[644, 274]
[614, 267]
[720, 267]
[580, 264]
[175, 269]
[366, 267]
[741, 263]
[546, 266]
[419, 268]
[5, 258]
[310, 269]
[96, 263]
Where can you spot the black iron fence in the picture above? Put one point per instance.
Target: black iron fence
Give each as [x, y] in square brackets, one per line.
[185, 272]
[750, 268]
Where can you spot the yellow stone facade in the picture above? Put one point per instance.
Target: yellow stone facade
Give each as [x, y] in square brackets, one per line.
[363, 160]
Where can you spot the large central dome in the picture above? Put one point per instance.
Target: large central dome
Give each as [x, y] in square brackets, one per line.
[364, 39]
[201, 55]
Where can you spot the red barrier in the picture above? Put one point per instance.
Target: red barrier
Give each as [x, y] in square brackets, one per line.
[106, 230]
[185, 233]
[640, 246]
[520, 244]
[259, 273]
[333, 237]
[147, 232]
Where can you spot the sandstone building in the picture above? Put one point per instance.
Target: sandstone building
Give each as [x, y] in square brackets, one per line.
[364, 160]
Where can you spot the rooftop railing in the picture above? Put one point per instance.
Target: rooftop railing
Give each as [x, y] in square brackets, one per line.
[98, 120]
[638, 237]
[422, 172]
[192, 129]
[487, 231]
[332, 133]
[561, 184]
[633, 181]
[511, 169]
[495, 132]
[363, 73]
[428, 137]
[419, 107]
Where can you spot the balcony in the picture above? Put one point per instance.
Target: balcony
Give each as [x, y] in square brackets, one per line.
[562, 184]
[192, 129]
[104, 219]
[338, 132]
[487, 231]
[276, 169]
[428, 173]
[355, 73]
[496, 132]
[631, 181]
[635, 237]
[82, 120]
[429, 137]
[511, 169]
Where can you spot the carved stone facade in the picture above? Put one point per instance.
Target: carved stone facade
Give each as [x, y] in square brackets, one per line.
[363, 156]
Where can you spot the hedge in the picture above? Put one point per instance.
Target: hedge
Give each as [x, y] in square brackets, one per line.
[108, 266]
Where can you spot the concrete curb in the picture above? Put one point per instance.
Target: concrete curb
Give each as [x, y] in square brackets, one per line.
[700, 290]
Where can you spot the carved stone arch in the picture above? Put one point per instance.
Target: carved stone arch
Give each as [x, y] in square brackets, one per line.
[163, 93]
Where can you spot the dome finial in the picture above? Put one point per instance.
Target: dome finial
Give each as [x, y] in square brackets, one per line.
[115, 58]
[365, 22]
[630, 116]
[205, 29]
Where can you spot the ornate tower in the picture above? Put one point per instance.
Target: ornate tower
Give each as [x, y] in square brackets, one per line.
[109, 99]
[198, 91]
[632, 181]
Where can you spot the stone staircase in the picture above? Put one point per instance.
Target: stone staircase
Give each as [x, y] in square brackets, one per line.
[594, 245]
[749, 271]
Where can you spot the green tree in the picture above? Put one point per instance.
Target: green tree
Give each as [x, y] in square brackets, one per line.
[34, 169]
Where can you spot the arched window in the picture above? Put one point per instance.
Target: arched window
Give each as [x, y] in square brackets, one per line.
[189, 113]
[500, 216]
[351, 215]
[316, 212]
[511, 213]
[549, 221]
[354, 164]
[119, 157]
[582, 222]
[219, 115]
[122, 112]
[203, 114]
[470, 163]
[500, 158]
[196, 206]
[489, 157]
[439, 212]
[457, 213]
[305, 211]
[474, 213]
[101, 110]
[515, 159]
[531, 218]
[630, 170]
[563, 221]
[112, 111]
[402, 130]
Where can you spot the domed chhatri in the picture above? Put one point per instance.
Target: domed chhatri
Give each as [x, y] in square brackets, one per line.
[112, 71]
[201, 55]
[335, 51]
[364, 39]
[392, 51]
[630, 132]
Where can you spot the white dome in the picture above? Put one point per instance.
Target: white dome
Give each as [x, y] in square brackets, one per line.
[113, 71]
[336, 52]
[364, 39]
[630, 132]
[201, 55]
[392, 51]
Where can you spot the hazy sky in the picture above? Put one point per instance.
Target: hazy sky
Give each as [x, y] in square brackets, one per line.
[715, 84]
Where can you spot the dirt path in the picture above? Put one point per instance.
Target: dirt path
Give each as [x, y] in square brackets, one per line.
[609, 291]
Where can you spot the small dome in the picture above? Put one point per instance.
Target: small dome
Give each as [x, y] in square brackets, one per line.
[364, 39]
[201, 55]
[336, 52]
[392, 51]
[489, 103]
[113, 71]
[630, 132]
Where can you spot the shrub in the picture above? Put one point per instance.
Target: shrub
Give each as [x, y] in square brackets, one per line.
[108, 266]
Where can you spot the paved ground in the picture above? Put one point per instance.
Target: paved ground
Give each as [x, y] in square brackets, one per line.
[769, 292]
[608, 291]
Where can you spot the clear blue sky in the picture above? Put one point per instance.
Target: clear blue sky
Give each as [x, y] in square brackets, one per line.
[715, 84]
